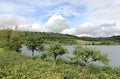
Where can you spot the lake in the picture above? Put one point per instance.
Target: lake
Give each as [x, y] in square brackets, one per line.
[113, 52]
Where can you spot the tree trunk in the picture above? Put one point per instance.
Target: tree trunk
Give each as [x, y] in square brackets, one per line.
[55, 56]
[32, 52]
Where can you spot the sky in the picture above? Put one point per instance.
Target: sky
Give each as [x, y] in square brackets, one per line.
[94, 18]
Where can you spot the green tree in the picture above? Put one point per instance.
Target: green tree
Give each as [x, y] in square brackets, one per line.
[55, 49]
[89, 55]
[5, 38]
[34, 42]
[16, 40]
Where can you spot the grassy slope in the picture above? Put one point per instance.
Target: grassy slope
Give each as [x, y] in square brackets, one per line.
[83, 42]
[16, 66]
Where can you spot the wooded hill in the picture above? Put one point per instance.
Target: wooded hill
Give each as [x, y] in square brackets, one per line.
[50, 36]
[70, 39]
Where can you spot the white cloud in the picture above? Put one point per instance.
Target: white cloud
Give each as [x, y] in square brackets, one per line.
[65, 10]
[12, 7]
[95, 4]
[57, 23]
[110, 31]
[102, 9]
[107, 13]
[10, 21]
[37, 27]
[82, 35]
[82, 29]
[91, 29]
[70, 31]
[108, 24]
[86, 28]
[89, 17]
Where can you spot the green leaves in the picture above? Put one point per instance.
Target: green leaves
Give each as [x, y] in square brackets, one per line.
[11, 39]
[89, 55]
[16, 40]
[16, 66]
[5, 35]
[34, 42]
[55, 49]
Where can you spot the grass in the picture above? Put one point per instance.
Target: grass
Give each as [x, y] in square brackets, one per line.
[83, 42]
[14, 65]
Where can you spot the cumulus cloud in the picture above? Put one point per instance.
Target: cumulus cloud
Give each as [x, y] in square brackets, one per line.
[24, 24]
[97, 30]
[86, 28]
[82, 29]
[37, 27]
[8, 21]
[75, 17]
[57, 23]
[70, 31]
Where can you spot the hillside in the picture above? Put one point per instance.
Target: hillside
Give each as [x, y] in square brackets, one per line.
[70, 39]
[102, 40]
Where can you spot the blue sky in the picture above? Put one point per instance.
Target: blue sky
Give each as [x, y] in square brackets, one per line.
[75, 17]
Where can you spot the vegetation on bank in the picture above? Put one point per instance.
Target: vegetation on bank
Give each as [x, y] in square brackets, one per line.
[13, 65]
[49, 65]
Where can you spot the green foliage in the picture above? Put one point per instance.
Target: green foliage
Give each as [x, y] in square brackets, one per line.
[16, 40]
[49, 36]
[5, 35]
[11, 39]
[55, 49]
[34, 42]
[16, 66]
[89, 55]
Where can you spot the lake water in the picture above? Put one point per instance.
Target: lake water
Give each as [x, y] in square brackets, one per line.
[113, 52]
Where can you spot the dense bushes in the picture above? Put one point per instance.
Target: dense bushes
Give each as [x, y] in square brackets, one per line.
[16, 66]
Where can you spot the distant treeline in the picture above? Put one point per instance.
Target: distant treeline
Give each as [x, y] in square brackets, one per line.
[50, 36]
[103, 40]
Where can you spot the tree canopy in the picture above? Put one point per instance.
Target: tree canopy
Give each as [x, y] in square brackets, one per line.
[89, 55]
[55, 49]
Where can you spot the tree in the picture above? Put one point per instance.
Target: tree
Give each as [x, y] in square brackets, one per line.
[55, 49]
[34, 42]
[5, 38]
[87, 55]
[16, 40]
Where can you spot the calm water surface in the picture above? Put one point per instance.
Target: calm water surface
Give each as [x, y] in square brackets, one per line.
[112, 51]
